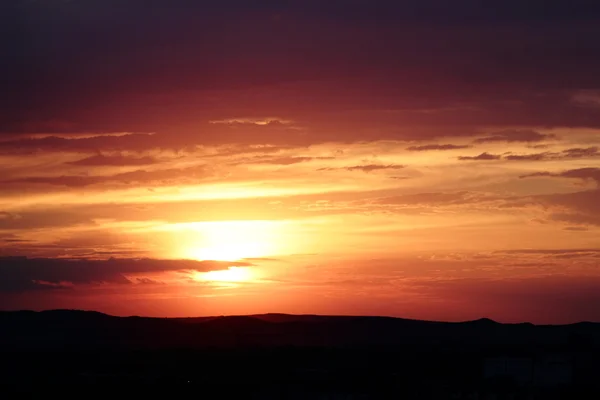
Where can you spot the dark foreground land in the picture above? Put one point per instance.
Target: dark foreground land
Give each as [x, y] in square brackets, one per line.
[306, 357]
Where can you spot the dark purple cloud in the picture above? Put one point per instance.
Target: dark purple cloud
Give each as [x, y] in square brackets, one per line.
[92, 144]
[23, 274]
[170, 67]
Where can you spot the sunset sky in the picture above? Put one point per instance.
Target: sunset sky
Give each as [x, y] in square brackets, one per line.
[426, 159]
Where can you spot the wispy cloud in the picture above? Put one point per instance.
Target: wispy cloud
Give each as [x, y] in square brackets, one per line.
[429, 147]
[21, 273]
[113, 160]
[366, 168]
[283, 160]
[481, 157]
[511, 136]
[586, 98]
[138, 176]
[253, 121]
[580, 173]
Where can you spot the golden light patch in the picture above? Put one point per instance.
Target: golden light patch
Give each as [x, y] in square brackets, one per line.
[226, 240]
[232, 274]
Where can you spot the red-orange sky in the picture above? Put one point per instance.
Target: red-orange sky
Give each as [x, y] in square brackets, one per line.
[425, 159]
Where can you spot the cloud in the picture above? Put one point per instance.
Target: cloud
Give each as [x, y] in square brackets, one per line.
[40, 219]
[9, 240]
[582, 152]
[580, 208]
[147, 281]
[588, 173]
[574, 153]
[253, 121]
[510, 136]
[366, 168]
[530, 157]
[577, 216]
[583, 173]
[90, 143]
[23, 274]
[428, 147]
[116, 160]
[314, 76]
[437, 198]
[587, 98]
[192, 174]
[284, 160]
[574, 252]
[374, 167]
[270, 88]
[5, 216]
[244, 149]
[481, 157]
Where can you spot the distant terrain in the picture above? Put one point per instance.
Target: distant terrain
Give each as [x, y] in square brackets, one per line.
[307, 356]
[74, 330]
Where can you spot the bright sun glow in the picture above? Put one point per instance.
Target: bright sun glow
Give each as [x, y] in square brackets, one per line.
[228, 252]
[226, 240]
[233, 274]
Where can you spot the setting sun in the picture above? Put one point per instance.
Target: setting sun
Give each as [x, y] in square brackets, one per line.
[233, 274]
[226, 240]
[227, 252]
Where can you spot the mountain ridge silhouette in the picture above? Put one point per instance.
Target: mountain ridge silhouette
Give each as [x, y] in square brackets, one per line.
[78, 329]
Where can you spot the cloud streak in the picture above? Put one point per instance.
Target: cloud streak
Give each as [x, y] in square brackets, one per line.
[481, 157]
[116, 160]
[366, 168]
[22, 274]
[429, 147]
[138, 176]
[511, 136]
[589, 173]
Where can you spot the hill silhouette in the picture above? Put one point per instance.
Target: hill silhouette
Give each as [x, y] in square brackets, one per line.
[75, 329]
[274, 356]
